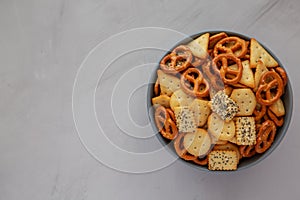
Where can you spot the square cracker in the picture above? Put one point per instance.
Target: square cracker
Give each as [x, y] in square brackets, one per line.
[245, 100]
[199, 46]
[168, 83]
[259, 71]
[247, 74]
[179, 99]
[245, 131]
[185, 120]
[222, 160]
[201, 111]
[257, 52]
[219, 129]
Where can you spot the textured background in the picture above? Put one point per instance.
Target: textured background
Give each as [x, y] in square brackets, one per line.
[42, 45]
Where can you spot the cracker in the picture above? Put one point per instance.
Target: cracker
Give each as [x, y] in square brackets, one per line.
[228, 90]
[245, 100]
[220, 129]
[259, 71]
[216, 38]
[168, 83]
[247, 78]
[179, 99]
[245, 131]
[229, 146]
[222, 160]
[201, 111]
[233, 139]
[225, 107]
[163, 100]
[278, 108]
[199, 46]
[185, 120]
[198, 143]
[257, 52]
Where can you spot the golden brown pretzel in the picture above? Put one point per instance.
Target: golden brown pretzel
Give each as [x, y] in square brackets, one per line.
[165, 122]
[193, 83]
[180, 150]
[234, 45]
[178, 60]
[277, 120]
[265, 136]
[247, 150]
[156, 88]
[222, 60]
[259, 112]
[270, 81]
[201, 161]
[282, 74]
[212, 75]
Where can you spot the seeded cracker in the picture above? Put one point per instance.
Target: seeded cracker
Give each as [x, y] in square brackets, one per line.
[185, 120]
[245, 131]
[222, 160]
[225, 107]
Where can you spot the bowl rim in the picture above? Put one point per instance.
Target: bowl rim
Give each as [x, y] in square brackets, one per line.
[288, 109]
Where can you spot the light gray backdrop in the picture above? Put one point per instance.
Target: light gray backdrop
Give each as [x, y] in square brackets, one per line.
[43, 43]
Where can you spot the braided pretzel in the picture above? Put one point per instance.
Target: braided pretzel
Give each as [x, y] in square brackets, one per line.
[247, 150]
[193, 83]
[269, 81]
[234, 45]
[265, 136]
[225, 70]
[178, 60]
[165, 122]
[180, 150]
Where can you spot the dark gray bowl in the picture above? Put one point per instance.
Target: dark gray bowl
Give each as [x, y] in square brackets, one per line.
[287, 99]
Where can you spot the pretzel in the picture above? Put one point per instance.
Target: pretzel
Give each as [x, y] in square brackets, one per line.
[193, 83]
[265, 136]
[225, 70]
[165, 122]
[213, 77]
[178, 60]
[180, 150]
[247, 150]
[278, 121]
[156, 88]
[259, 112]
[234, 45]
[282, 74]
[201, 161]
[269, 81]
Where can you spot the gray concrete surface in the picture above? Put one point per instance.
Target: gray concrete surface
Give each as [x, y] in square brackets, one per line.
[42, 45]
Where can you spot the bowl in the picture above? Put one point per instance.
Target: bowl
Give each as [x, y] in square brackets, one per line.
[287, 98]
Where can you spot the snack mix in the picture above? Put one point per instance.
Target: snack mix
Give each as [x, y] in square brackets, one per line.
[218, 99]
